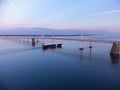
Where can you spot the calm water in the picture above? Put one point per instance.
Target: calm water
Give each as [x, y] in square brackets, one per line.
[23, 67]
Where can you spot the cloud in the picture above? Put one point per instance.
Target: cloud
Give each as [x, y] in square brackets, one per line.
[5, 3]
[10, 2]
[105, 13]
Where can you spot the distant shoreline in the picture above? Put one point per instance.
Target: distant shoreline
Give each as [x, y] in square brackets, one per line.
[55, 35]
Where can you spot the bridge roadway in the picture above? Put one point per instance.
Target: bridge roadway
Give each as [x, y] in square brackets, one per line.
[84, 40]
[58, 38]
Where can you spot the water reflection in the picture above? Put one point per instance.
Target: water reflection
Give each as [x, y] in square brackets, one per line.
[90, 53]
[81, 55]
[61, 51]
[115, 58]
[11, 51]
[51, 49]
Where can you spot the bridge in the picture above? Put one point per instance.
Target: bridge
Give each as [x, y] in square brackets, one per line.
[114, 50]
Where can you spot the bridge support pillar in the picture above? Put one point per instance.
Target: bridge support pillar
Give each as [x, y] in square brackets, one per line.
[115, 48]
[33, 42]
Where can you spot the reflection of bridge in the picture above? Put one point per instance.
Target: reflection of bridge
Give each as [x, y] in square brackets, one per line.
[114, 50]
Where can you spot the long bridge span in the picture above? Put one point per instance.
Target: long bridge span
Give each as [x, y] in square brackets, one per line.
[84, 40]
[114, 50]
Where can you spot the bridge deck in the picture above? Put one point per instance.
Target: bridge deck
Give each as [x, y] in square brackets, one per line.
[70, 39]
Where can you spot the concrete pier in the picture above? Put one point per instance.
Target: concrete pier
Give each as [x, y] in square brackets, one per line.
[81, 46]
[115, 48]
[90, 42]
[33, 42]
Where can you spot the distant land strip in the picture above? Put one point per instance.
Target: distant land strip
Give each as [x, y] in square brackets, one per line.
[54, 35]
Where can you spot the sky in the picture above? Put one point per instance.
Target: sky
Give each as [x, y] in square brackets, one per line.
[60, 14]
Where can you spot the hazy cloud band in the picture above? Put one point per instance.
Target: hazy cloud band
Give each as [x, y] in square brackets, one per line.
[105, 13]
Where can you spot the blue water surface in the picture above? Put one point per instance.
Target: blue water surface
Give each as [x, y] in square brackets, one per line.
[23, 67]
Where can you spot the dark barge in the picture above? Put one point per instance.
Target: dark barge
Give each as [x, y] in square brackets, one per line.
[51, 45]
